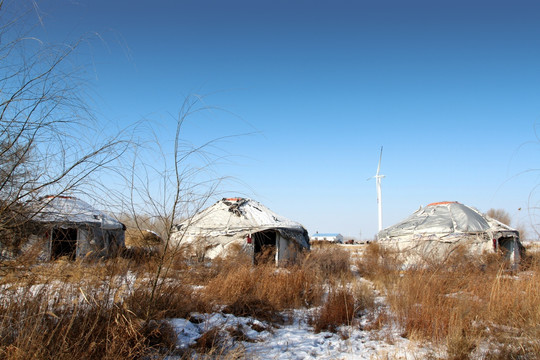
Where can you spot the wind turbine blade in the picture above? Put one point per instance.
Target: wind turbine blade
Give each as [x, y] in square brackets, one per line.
[379, 166]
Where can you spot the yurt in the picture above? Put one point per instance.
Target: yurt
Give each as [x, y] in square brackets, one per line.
[436, 230]
[69, 227]
[244, 223]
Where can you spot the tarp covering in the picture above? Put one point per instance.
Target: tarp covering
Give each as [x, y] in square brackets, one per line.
[232, 220]
[70, 210]
[440, 218]
[434, 230]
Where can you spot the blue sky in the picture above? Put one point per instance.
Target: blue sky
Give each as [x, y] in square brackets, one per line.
[451, 89]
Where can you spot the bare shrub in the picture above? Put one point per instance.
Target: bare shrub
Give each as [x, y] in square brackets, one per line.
[49, 140]
[500, 215]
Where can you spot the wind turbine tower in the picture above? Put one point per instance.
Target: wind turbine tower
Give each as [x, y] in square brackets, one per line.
[378, 178]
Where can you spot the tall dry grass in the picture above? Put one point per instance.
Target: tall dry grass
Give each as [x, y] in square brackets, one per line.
[106, 309]
[464, 303]
[237, 281]
[88, 310]
[339, 309]
[330, 263]
[66, 321]
[379, 265]
[279, 289]
[110, 309]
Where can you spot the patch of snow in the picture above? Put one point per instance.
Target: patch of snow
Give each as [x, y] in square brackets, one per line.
[297, 340]
[186, 332]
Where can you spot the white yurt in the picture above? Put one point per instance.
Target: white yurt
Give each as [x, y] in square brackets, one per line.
[70, 227]
[436, 230]
[241, 222]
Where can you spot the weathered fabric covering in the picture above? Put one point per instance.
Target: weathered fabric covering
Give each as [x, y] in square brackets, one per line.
[231, 221]
[66, 210]
[97, 234]
[435, 230]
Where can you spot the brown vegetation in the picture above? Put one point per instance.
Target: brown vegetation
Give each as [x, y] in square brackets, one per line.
[339, 309]
[142, 238]
[88, 310]
[65, 321]
[463, 302]
[105, 309]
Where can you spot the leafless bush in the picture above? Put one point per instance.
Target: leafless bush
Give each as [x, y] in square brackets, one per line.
[50, 142]
[500, 215]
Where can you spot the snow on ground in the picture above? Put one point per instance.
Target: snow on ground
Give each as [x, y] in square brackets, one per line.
[296, 339]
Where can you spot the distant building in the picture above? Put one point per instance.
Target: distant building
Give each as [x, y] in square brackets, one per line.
[330, 237]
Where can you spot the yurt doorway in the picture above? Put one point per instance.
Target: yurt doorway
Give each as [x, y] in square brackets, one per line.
[64, 243]
[264, 246]
[508, 246]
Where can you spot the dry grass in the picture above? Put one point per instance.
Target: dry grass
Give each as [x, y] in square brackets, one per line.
[379, 265]
[90, 310]
[343, 305]
[463, 302]
[66, 322]
[279, 288]
[329, 263]
[339, 309]
[170, 300]
[87, 310]
[142, 238]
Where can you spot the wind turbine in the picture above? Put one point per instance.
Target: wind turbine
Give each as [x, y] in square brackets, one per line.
[378, 178]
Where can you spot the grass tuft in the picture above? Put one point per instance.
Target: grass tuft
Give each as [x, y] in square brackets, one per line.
[339, 309]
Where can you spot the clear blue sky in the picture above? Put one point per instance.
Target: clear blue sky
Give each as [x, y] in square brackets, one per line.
[451, 89]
